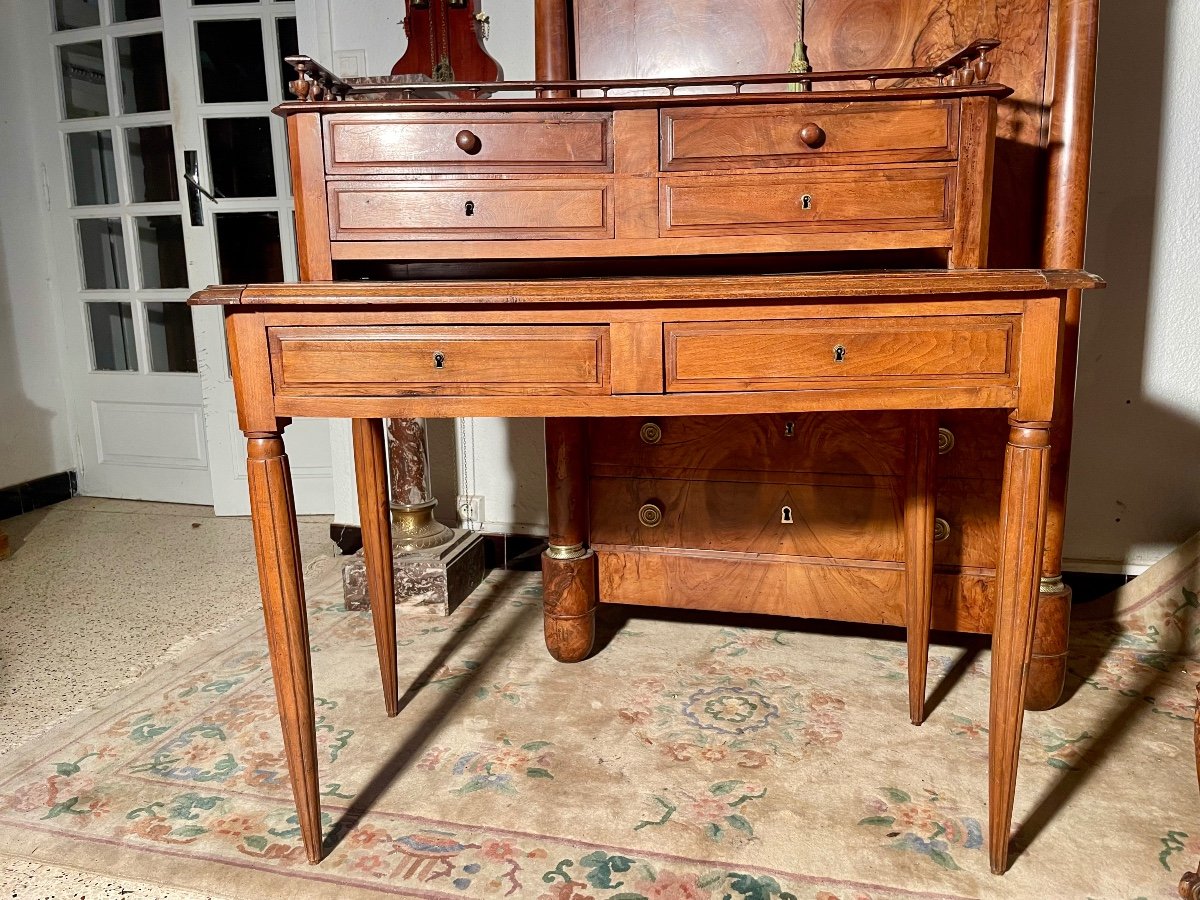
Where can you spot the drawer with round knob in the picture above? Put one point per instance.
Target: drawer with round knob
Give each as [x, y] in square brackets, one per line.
[761, 136]
[516, 142]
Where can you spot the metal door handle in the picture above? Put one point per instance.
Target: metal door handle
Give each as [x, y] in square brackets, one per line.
[191, 174]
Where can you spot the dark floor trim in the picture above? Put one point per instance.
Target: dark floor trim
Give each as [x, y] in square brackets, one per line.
[522, 552]
[31, 495]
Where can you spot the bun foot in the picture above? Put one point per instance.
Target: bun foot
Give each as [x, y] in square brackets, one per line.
[570, 605]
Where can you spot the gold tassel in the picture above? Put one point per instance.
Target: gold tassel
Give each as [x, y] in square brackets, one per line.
[799, 64]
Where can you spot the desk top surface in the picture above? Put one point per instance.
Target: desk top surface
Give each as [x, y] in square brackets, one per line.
[636, 290]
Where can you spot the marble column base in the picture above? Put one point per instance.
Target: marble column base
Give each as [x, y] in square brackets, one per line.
[435, 580]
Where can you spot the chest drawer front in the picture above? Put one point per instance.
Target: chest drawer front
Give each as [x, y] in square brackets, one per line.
[475, 209]
[807, 134]
[790, 354]
[749, 448]
[773, 203]
[453, 361]
[824, 521]
[449, 143]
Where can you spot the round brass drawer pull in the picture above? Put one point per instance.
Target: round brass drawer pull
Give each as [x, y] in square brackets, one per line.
[468, 142]
[650, 515]
[812, 134]
[941, 530]
[651, 433]
[945, 441]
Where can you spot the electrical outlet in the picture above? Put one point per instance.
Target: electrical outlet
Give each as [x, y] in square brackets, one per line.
[470, 509]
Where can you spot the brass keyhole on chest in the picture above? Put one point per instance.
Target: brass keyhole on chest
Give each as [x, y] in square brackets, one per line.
[439, 360]
[469, 209]
[785, 516]
[839, 353]
[806, 201]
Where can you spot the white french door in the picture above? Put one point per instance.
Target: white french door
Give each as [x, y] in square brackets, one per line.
[174, 176]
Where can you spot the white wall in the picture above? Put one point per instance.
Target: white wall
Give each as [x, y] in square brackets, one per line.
[35, 436]
[1135, 469]
[1135, 478]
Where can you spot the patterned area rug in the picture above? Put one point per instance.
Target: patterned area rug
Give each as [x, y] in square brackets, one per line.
[686, 760]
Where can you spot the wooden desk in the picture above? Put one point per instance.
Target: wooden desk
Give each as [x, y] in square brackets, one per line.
[911, 341]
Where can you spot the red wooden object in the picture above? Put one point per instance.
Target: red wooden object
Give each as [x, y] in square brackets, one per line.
[445, 42]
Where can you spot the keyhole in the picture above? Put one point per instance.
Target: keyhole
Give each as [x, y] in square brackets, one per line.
[439, 360]
[789, 429]
[806, 201]
[839, 353]
[786, 516]
[469, 209]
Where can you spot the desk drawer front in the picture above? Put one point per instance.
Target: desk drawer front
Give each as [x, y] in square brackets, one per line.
[771, 203]
[449, 143]
[809, 134]
[479, 210]
[782, 355]
[454, 361]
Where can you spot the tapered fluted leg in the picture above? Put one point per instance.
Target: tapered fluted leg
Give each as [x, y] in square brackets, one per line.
[1022, 532]
[568, 566]
[374, 512]
[918, 556]
[1051, 634]
[276, 542]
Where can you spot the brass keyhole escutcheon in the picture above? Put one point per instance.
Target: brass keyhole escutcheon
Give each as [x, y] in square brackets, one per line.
[439, 360]
[839, 353]
[651, 433]
[785, 516]
[789, 429]
[941, 530]
[651, 514]
[469, 208]
[945, 441]
[806, 201]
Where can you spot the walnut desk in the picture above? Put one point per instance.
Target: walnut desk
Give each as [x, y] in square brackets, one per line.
[913, 342]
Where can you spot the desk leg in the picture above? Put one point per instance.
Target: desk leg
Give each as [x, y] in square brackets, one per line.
[568, 566]
[1189, 885]
[919, 500]
[374, 513]
[277, 543]
[1022, 533]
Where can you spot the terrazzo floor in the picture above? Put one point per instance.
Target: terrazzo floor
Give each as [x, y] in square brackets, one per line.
[85, 576]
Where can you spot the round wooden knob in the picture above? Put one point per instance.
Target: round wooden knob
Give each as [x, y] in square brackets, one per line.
[651, 433]
[650, 515]
[941, 530]
[468, 141]
[812, 134]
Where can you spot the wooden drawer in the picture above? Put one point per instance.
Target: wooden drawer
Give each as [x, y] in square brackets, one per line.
[789, 354]
[717, 137]
[971, 508]
[380, 144]
[454, 361]
[475, 209]
[976, 442]
[750, 448]
[909, 199]
[808, 589]
[830, 521]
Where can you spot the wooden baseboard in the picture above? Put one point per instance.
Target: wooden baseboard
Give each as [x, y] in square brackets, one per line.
[522, 552]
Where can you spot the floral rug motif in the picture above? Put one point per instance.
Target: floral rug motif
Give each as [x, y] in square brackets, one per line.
[693, 760]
